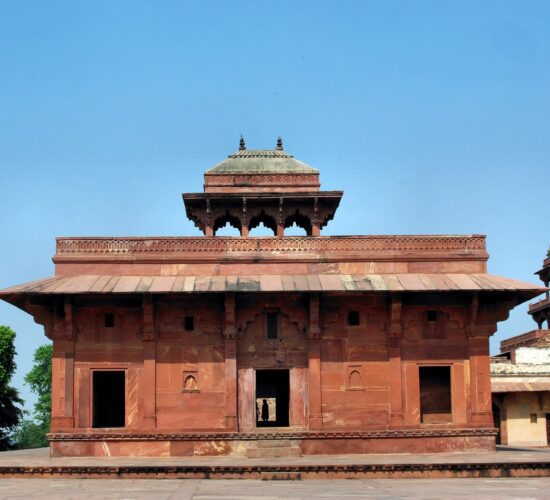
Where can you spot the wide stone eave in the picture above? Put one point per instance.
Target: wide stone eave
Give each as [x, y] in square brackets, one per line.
[509, 289]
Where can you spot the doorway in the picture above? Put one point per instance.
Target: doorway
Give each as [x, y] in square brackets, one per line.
[272, 398]
[108, 399]
[435, 394]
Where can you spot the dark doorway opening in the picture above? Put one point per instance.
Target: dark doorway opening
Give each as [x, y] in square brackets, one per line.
[548, 429]
[497, 422]
[435, 394]
[108, 399]
[272, 398]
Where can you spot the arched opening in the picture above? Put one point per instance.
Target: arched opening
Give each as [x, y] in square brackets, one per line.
[262, 225]
[227, 225]
[297, 224]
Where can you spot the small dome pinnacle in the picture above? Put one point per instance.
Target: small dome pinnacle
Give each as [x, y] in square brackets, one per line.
[279, 144]
[242, 145]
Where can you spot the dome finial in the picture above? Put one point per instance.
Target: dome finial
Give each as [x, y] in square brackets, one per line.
[279, 144]
[242, 145]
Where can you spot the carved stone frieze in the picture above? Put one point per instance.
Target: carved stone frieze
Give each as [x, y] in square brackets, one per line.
[471, 245]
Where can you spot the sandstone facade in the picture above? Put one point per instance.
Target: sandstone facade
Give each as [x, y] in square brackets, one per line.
[356, 344]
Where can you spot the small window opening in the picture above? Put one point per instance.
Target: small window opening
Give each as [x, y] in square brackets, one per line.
[272, 325]
[353, 318]
[533, 417]
[431, 316]
[189, 323]
[435, 394]
[108, 399]
[109, 320]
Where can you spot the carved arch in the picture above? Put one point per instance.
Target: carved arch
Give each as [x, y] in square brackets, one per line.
[262, 217]
[301, 220]
[227, 217]
[260, 308]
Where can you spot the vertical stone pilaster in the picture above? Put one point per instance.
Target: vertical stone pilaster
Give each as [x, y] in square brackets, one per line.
[63, 369]
[480, 380]
[148, 337]
[314, 353]
[231, 391]
[395, 333]
[62, 385]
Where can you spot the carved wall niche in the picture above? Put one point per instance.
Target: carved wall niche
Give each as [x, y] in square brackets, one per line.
[354, 378]
[255, 350]
[190, 381]
[292, 307]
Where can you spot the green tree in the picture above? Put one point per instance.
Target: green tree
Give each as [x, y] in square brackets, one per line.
[32, 433]
[29, 434]
[10, 412]
[39, 379]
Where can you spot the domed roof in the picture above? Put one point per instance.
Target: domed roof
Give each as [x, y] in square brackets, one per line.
[261, 161]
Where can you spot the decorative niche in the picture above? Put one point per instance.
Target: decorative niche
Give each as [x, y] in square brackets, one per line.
[354, 378]
[190, 381]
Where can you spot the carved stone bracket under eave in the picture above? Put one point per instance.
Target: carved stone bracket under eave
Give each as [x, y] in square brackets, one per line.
[42, 316]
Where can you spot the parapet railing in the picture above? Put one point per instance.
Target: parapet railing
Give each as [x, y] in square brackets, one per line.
[473, 245]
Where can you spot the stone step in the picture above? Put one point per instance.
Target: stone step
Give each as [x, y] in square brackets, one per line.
[273, 452]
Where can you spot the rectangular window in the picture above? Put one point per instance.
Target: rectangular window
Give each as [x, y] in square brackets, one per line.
[435, 394]
[353, 318]
[533, 417]
[109, 399]
[272, 325]
[109, 320]
[431, 316]
[189, 323]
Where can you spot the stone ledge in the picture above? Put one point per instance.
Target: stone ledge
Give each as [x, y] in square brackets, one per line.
[256, 436]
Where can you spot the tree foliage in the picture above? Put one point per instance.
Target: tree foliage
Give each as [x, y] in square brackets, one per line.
[39, 379]
[29, 434]
[32, 433]
[10, 412]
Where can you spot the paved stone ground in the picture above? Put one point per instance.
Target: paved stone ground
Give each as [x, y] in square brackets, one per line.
[40, 457]
[478, 489]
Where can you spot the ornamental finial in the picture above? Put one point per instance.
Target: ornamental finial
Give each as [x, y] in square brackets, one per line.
[242, 145]
[279, 144]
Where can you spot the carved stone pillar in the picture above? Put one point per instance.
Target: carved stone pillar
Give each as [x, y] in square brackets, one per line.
[280, 220]
[314, 365]
[315, 224]
[395, 334]
[61, 330]
[480, 379]
[229, 333]
[148, 337]
[482, 323]
[244, 220]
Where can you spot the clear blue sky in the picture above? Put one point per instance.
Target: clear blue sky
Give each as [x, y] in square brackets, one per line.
[433, 117]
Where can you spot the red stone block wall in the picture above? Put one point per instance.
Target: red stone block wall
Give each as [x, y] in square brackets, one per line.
[181, 380]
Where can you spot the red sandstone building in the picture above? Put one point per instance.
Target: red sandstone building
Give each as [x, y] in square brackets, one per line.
[269, 345]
